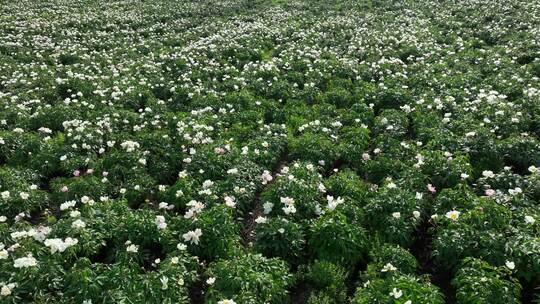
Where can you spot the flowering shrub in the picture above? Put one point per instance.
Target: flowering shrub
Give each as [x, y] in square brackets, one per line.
[401, 259]
[329, 280]
[295, 193]
[218, 241]
[480, 232]
[335, 239]
[477, 281]
[347, 183]
[269, 279]
[397, 288]
[279, 237]
[393, 214]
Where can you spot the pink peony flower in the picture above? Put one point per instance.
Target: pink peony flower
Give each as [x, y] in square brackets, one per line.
[490, 192]
[365, 156]
[431, 188]
[76, 173]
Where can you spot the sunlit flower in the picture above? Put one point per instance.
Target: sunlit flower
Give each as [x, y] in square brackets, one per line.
[132, 248]
[24, 195]
[5, 195]
[160, 222]
[7, 289]
[333, 202]
[453, 215]
[388, 267]
[181, 247]
[488, 174]
[260, 220]
[78, 224]
[396, 293]
[25, 262]
[59, 245]
[230, 201]
[490, 192]
[529, 219]
[192, 236]
[510, 265]
[266, 177]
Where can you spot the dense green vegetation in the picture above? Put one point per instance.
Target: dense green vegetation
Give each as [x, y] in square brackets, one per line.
[240, 151]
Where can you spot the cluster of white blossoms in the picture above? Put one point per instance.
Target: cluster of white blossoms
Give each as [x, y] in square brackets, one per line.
[160, 222]
[130, 146]
[289, 207]
[388, 267]
[25, 262]
[130, 247]
[333, 202]
[266, 177]
[59, 245]
[7, 289]
[193, 236]
[230, 201]
[195, 208]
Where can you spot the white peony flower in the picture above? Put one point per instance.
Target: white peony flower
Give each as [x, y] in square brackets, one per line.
[7, 289]
[130, 146]
[24, 262]
[181, 247]
[192, 236]
[260, 220]
[488, 174]
[333, 203]
[453, 215]
[230, 201]
[289, 209]
[160, 222]
[57, 245]
[529, 219]
[77, 224]
[3, 254]
[510, 265]
[266, 177]
[5, 194]
[388, 267]
[132, 248]
[267, 207]
[396, 293]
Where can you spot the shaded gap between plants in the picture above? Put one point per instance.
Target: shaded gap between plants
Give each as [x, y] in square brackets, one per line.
[248, 224]
[422, 250]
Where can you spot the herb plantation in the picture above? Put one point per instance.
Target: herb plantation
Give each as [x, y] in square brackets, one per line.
[270, 152]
